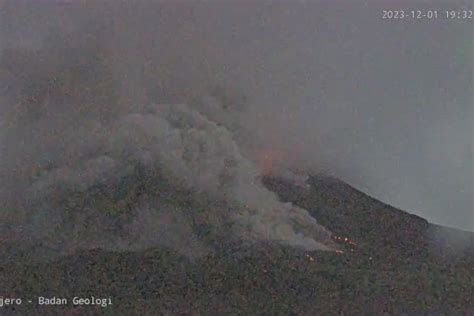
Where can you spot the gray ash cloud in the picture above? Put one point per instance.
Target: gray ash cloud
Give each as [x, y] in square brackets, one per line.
[86, 163]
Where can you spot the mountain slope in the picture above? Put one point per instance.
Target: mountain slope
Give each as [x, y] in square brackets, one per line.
[388, 234]
[393, 262]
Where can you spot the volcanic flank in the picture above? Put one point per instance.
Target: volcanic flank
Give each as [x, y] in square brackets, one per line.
[388, 258]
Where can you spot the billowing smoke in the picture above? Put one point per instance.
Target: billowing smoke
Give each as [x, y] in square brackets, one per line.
[106, 96]
[87, 161]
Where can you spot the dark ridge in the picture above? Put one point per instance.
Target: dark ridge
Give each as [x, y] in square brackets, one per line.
[395, 235]
[393, 263]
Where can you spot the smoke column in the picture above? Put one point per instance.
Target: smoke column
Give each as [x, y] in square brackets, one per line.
[97, 97]
[90, 158]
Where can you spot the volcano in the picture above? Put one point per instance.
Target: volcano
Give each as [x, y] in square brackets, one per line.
[387, 262]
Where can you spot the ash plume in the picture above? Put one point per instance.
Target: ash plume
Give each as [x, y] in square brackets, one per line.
[285, 89]
[88, 160]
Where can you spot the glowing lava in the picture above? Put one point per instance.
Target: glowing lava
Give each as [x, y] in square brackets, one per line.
[344, 240]
[268, 160]
[310, 258]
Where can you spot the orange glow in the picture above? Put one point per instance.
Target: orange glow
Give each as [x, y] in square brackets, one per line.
[268, 160]
[310, 258]
[345, 240]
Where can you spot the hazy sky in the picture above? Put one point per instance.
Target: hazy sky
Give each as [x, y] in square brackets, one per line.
[386, 105]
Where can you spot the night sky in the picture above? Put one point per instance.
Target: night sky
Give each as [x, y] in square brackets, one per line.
[386, 105]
